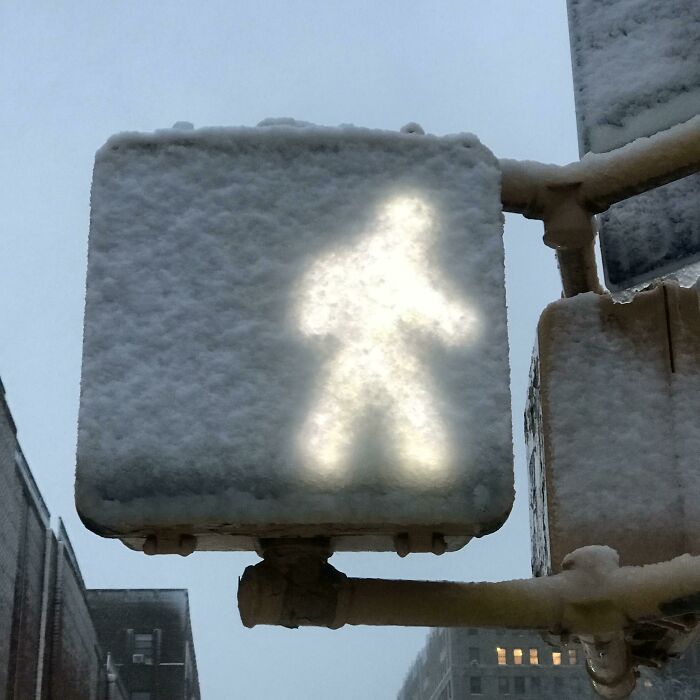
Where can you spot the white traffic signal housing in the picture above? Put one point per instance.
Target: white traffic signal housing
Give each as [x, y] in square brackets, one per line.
[294, 331]
[612, 428]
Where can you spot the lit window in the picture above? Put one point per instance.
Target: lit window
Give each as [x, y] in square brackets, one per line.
[556, 658]
[501, 656]
[475, 685]
[534, 658]
[518, 657]
[572, 657]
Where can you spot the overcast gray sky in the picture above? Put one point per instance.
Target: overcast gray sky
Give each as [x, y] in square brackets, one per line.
[73, 73]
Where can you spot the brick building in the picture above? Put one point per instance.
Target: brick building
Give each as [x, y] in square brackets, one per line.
[25, 562]
[50, 643]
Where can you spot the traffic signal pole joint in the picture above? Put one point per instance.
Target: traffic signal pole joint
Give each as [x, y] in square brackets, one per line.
[567, 197]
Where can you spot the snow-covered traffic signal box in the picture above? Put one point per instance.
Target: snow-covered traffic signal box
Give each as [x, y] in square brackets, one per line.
[295, 331]
[612, 426]
[635, 69]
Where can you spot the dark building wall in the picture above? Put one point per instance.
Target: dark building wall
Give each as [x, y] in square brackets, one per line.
[77, 660]
[148, 636]
[25, 562]
[49, 644]
[678, 680]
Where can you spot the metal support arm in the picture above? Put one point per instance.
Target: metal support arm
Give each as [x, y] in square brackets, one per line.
[566, 197]
[295, 585]
[599, 180]
[593, 600]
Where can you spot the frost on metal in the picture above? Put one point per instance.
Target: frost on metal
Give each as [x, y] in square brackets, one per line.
[295, 330]
[636, 67]
[612, 427]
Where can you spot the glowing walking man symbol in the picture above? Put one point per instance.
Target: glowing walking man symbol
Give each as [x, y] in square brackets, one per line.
[369, 297]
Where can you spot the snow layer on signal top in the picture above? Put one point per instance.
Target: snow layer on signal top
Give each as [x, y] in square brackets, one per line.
[295, 325]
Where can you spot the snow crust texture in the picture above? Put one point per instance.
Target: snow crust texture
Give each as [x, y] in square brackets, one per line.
[295, 327]
[615, 447]
[653, 235]
[636, 66]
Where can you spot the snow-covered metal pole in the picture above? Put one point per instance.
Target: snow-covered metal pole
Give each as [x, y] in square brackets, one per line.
[602, 179]
[593, 600]
[592, 596]
[566, 197]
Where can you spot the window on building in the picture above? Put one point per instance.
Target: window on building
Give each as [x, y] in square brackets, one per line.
[519, 685]
[518, 657]
[474, 655]
[536, 684]
[534, 657]
[140, 695]
[475, 685]
[501, 653]
[572, 657]
[503, 686]
[556, 658]
[558, 686]
[143, 649]
[472, 631]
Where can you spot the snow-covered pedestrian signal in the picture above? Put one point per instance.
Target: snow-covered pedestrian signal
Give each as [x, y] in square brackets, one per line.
[295, 331]
[635, 69]
[613, 435]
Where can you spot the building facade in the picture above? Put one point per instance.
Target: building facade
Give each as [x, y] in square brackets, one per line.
[48, 645]
[486, 664]
[24, 559]
[51, 646]
[462, 663]
[149, 638]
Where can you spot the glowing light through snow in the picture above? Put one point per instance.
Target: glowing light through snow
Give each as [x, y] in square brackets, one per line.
[370, 298]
